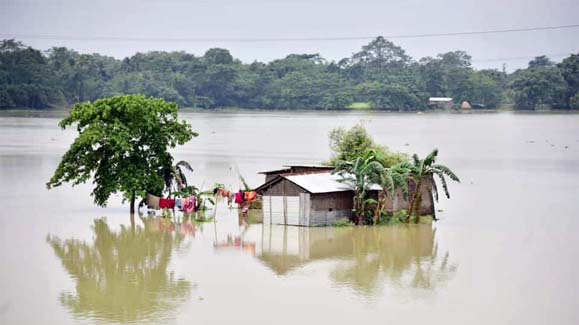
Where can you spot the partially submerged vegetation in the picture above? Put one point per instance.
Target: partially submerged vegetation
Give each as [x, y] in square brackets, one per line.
[123, 145]
[362, 163]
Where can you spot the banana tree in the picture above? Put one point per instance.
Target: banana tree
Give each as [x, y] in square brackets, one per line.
[424, 170]
[175, 177]
[360, 173]
[391, 179]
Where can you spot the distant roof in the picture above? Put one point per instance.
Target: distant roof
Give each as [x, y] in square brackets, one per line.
[287, 168]
[277, 171]
[311, 166]
[440, 99]
[322, 183]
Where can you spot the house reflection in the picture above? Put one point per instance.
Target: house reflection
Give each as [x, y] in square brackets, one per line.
[122, 276]
[366, 258]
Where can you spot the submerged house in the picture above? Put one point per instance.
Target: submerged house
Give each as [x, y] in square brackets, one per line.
[313, 196]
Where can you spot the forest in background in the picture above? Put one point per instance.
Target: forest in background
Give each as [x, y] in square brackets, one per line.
[380, 76]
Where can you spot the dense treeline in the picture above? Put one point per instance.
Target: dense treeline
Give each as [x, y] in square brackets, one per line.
[381, 76]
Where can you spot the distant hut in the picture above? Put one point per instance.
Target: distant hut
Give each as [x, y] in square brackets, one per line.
[465, 105]
[441, 102]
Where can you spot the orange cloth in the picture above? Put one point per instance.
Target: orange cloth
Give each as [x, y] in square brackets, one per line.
[250, 196]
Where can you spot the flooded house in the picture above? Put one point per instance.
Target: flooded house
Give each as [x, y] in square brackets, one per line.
[313, 196]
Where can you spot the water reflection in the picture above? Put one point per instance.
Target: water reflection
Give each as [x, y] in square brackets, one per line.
[365, 259]
[122, 276]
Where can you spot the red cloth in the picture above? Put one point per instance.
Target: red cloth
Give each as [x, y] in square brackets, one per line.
[166, 203]
[238, 198]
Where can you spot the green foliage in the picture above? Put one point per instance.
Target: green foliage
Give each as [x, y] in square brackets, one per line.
[574, 101]
[122, 145]
[343, 222]
[423, 171]
[347, 145]
[175, 178]
[359, 173]
[381, 74]
[246, 186]
[570, 72]
[539, 87]
[395, 218]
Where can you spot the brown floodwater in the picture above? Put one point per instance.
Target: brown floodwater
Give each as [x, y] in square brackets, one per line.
[505, 251]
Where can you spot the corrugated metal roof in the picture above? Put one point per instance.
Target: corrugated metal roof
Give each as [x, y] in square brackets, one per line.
[310, 166]
[323, 183]
[275, 171]
[440, 99]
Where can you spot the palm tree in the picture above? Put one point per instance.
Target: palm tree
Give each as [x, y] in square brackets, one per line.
[423, 171]
[360, 173]
[174, 176]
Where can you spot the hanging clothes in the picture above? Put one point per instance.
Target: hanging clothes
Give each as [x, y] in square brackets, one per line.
[184, 202]
[250, 196]
[166, 203]
[188, 204]
[239, 197]
[152, 201]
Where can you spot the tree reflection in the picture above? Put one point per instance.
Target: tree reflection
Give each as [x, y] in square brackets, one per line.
[366, 258]
[122, 276]
[403, 256]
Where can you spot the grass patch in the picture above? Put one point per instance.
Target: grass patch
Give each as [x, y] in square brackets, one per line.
[343, 222]
[360, 106]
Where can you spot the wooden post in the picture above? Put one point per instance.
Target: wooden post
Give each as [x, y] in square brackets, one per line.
[284, 201]
[270, 212]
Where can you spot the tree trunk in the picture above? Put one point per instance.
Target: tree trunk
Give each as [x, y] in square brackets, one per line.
[413, 201]
[379, 206]
[377, 211]
[417, 208]
[132, 203]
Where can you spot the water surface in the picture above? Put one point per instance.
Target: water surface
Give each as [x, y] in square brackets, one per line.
[505, 251]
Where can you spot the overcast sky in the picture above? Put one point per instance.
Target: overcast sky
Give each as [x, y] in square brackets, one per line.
[298, 19]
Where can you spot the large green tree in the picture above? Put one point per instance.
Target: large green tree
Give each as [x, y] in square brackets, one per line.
[26, 79]
[122, 145]
[570, 72]
[539, 86]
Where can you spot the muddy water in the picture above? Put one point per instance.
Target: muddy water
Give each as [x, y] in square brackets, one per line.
[505, 251]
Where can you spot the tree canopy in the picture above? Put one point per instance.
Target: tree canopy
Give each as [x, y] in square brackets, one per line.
[122, 145]
[381, 75]
[350, 144]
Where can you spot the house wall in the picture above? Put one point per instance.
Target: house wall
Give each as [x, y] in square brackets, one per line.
[398, 202]
[283, 187]
[326, 208]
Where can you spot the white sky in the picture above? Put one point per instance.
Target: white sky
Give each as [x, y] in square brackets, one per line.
[295, 19]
